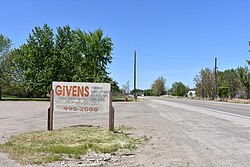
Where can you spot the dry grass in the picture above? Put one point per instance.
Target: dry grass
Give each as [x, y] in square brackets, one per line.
[241, 101]
[49, 146]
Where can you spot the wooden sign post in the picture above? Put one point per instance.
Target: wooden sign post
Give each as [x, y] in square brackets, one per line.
[111, 113]
[50, 112]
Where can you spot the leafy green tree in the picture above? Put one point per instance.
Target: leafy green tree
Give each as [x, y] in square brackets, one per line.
[69, 55]
[114, 86]
[13, 81]
[68, 49]
[5, 46]
[229, 79]
[36, 60]
[148, 92]
[223, 92]
[178, 89]
[158, 86]
[248, 61]
[244, 75]
[231, 82]
[96, 56]
[138, 92]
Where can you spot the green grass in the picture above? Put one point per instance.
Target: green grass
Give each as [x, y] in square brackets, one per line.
[13, 98]
[67, 143]
[121, 98]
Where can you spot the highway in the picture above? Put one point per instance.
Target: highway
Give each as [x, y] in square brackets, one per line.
[180, 132]
[231, 108]
[212, 133]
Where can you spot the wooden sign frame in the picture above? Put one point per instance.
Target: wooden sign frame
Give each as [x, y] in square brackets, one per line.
[51, 112]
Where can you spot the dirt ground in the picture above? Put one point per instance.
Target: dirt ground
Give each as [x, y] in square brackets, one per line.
[178, 136]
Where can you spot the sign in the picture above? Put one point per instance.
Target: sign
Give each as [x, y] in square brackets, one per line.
[81, 97]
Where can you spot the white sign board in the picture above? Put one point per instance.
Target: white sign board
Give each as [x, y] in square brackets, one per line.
[81, 97]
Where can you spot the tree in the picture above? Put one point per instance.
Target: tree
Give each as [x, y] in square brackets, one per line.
[96, 51]
[229, 83]
[244, 75]
[13, 80]
[148, 92]
[158, 86]
[248, 61]
[68, 55]
[139, 92]
[36, 59]
[223, 91]
[178, 89]
[114, 86]
[125, 88]
[5, 46]
[205, 83]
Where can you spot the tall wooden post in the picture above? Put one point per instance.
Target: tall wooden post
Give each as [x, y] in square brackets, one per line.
[0, 86]
[50, 111]
[135, 93]
[216, 80]
[111, 113]
[0, 90]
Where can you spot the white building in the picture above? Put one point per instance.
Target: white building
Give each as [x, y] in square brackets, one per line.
[191, 93]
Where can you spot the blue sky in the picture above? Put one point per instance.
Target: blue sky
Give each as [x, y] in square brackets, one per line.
[173, 38]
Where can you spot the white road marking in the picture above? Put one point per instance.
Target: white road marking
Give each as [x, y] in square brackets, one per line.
[238, 119]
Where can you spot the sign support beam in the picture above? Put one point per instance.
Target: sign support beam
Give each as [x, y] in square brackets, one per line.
[135, 93]
[50, 112]
[111, 113]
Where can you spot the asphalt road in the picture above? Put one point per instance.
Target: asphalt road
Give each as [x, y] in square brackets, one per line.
[214, 133]
[230, 108]
[181, 132]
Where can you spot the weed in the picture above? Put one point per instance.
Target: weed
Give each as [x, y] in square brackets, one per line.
[49, 146]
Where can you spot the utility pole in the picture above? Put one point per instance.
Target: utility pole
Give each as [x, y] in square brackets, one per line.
[0, 84]
[0, 90]
[216, 81]
[135, 95]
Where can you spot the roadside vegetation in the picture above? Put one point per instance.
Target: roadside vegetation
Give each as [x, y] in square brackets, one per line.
[115, 98]
[71, 143]
[69, 55]
[16, 98]
[158, 86]
[122, 99]
[231, 84]
[73, 55]
[178, 89]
